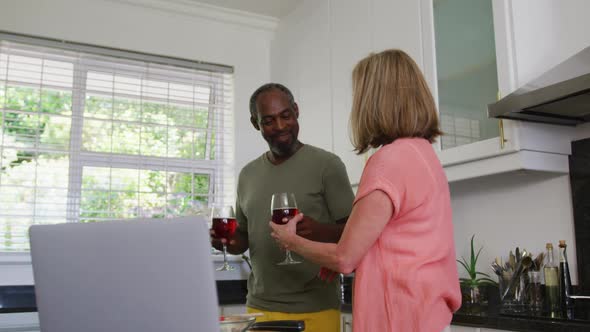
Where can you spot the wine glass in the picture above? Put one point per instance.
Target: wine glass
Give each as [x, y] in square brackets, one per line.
[283, 205]
[223, 222]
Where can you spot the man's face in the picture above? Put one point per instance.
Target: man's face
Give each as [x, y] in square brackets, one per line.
[277, 121]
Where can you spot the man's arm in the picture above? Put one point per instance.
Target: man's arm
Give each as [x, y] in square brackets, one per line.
[316, 231]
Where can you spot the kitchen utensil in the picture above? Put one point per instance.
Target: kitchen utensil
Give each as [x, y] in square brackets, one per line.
[538, 261]
[512, 260]
[246, 322]
[235, 323]
[525, 263]
[245, 315]
[499, 261]
[507, 266]
[497, 268]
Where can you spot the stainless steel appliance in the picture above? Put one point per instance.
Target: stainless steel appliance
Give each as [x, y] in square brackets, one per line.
[559, 96]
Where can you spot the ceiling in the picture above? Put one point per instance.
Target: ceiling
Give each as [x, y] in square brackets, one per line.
[274, 8]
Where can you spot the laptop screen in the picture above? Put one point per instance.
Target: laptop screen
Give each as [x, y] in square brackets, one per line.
[133, 275]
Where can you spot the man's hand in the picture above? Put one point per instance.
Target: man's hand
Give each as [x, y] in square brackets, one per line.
[327, 274]
[216, 242]
[317, 231]
[307, 226]
[235, 245]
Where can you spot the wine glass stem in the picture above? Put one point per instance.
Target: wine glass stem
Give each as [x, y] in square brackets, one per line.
[289, 258]
[224, 254]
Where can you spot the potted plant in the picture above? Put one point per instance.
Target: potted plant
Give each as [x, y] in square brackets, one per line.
[476, 278]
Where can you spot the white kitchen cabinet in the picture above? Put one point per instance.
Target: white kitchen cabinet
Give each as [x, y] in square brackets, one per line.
[345, 322]
[466, 75]
[495, 147]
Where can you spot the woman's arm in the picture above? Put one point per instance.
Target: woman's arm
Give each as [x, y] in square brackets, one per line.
[366, 222]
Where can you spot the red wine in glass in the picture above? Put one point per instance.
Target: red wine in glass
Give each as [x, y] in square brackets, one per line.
[283, 205]
[223, 223]
[224, 227]
[279, 214]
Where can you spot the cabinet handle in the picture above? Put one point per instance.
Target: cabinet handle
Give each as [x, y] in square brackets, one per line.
[503, 140]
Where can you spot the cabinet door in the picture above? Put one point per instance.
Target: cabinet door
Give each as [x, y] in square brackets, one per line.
[466, 74]
[463, 84]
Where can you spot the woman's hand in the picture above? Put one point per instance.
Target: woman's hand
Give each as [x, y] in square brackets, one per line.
[285, 234]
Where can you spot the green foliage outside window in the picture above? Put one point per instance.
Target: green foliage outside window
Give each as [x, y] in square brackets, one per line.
[31, 118]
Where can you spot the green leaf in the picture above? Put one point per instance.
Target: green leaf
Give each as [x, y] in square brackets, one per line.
[483, 281]
[473, 261]
[483, 274]
[464, 264]
[477, 256]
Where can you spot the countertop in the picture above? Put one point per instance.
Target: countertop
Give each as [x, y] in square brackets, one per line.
[15, 299]
[492, 315]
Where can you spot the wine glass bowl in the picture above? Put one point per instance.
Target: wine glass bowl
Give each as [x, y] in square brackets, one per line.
[283, 207]
[224, 228]
[279, 215]
[224, 224]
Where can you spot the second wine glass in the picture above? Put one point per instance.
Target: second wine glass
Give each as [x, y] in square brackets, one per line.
[223, 220]
[283, 205]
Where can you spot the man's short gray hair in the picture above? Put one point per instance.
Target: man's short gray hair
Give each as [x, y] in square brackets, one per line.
[268, 87]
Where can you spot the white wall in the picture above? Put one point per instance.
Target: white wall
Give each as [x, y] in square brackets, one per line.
[505, 211]
[315, 50]
[171, 28]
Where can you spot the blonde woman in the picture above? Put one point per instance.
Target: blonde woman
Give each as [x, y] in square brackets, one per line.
[399, 236]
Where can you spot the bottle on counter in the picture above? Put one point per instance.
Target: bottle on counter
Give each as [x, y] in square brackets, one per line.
[551, 274]
[565, 283]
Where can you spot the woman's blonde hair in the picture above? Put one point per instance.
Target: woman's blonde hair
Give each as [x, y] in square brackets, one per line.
[390, 100]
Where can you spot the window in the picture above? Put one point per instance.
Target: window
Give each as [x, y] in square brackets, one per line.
[90, 134]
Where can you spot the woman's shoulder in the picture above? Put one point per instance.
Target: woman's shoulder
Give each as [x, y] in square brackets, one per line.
[409, 145]
[403, 150]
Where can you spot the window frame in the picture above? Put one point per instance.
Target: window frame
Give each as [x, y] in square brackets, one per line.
[79, 158]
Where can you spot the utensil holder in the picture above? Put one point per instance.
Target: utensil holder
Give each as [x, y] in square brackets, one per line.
[514, 300]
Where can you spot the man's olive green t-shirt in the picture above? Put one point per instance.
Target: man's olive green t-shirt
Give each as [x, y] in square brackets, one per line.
[322, 190]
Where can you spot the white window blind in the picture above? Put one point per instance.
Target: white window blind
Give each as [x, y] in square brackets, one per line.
[87, 137]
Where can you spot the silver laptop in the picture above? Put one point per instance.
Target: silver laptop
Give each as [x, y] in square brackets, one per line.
[128, 276]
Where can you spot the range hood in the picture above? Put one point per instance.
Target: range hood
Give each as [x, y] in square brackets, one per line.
[560, 96]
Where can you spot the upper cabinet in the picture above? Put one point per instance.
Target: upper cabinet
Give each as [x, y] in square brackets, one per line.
[473, 54]
[466, 74]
